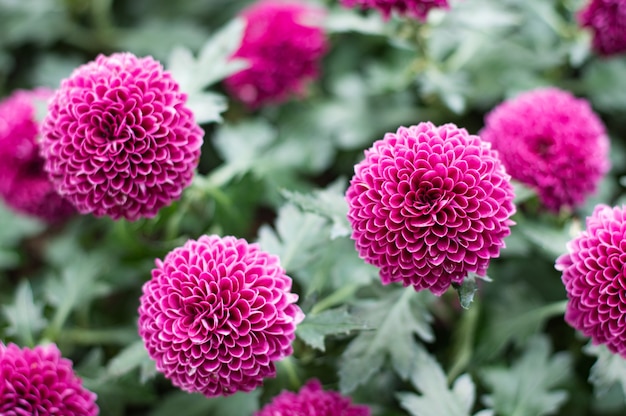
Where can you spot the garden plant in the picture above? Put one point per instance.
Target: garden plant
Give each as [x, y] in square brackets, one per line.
[312, 207]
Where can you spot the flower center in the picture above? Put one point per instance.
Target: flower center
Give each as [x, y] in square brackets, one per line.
[542, 146]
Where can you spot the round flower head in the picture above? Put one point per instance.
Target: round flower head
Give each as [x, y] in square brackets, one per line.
[417, 9]
[312, 400]
[283, 44]
[593, 274]
[217, 314]
[551, 141]
[24, 185]
[40, 382]
[429, 205]
[118, 139]
[607, 20]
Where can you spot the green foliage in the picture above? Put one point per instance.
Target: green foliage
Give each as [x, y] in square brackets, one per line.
[398, 315]
[213, 64]
[608, 371]
[329, 203]
[436, 398]
[198, 405]
[278, 175]
[14, 229]
[24, 316]
[316, 327]
[528, 387]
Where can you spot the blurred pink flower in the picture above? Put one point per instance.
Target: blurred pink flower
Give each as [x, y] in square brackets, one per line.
[412, 8]
[607, 20]
[283, 44]
[312, 400]
[217, 314]
[593, 274]
[40, 382]
[24, 185]
[428, 205]
[552, 142]
[118, 139]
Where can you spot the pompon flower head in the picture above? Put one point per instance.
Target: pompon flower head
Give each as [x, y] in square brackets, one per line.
[40, 382]
[551, 141]
[593, 274]
[607, 20]
[217, 314]
[24, 185]
[417, 9]
[283, 44]
[118, 139]
[428, 205]
[312, 400]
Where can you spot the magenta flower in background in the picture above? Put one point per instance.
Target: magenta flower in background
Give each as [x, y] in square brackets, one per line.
[552, 142]
[118, 139]
[607, 20]
[24, 185]
[283, 44]
[593, 274]
[40, 382]
[417, 9]
[312, 400]
[217, 314]
[429, 205]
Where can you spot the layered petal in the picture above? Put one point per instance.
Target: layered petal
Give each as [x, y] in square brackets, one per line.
[39, 381]
[594, 275]
[312, 400]
[118, 139]
[428, 205]
[283, 44]
[551, 141]
[217, 314]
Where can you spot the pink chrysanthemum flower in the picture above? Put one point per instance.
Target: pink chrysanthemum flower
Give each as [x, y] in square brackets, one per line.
[607, 20]
[217, 314]
[593, 274]
[552, 142]
[429, 205]
[24, 185]
[283, 44]
[312, 400]
[417, 9]
[118, 139]
[40, 382]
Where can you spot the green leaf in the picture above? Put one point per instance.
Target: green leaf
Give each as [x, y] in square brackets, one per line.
[436, 397]
[207, 107]
[297, 235]
[366, 354]
[14, 229]
[316, 327]
[604, 80]
[213, 63]
[24, 315]
[549, 239]
[198, 405]
[528, 387]
[348, 21]
[515, 316]
[240, 145]
[132, 357]
[337, 266]
[214, 58]
[466, 291]
[158, 36]
[608, 371]
[329, 203]
[76, 286]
